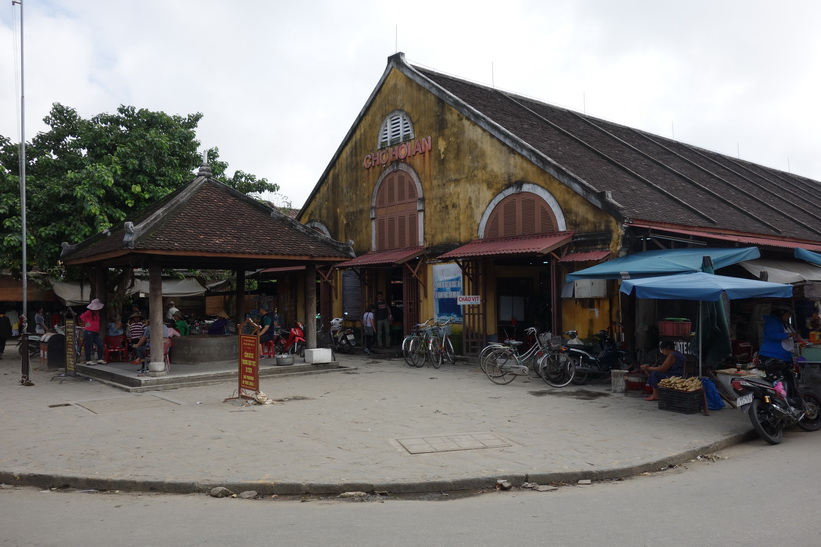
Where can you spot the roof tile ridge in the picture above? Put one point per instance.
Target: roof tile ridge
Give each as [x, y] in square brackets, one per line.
[132, 232]
[766, 204]
[611, 160]
[585, 188]
[666, 167]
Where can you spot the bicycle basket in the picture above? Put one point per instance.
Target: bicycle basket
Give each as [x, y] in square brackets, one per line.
[443, 330]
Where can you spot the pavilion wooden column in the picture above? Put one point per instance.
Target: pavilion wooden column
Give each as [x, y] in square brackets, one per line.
[100, 281]
[310, 305]
[239, 297]
[156, 367]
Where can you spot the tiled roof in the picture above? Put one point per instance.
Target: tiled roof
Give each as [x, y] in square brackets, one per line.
[648, 177]
[207, 222]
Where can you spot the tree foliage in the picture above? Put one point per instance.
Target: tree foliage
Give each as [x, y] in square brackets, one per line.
[83, 176]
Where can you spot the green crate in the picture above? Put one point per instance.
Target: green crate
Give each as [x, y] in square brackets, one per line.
[686, 402]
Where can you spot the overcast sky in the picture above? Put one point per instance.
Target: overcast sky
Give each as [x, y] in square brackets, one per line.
[280, 82]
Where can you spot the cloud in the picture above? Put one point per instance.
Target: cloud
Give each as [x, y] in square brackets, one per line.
[280, 83]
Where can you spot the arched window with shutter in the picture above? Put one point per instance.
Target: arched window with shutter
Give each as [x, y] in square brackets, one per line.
[521, 213]
[396, 128]
[397, 214]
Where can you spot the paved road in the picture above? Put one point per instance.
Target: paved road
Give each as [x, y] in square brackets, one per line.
[377, 425]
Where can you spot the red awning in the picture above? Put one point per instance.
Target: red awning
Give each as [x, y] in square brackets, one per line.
[384, 258]
[738, 238]
[534, 245]
[588, 256]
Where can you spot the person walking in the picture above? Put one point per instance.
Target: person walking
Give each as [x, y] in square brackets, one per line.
[5, 331]
[382, 314]
[91, 333]
[39, 322]
[368, 329]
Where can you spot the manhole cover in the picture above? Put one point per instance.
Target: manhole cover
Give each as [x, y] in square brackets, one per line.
[450, 443]
[125, 404]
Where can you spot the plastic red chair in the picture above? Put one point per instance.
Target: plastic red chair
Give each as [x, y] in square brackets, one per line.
[115, 347]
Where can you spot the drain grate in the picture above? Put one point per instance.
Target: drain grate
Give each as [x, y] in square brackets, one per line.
[452, 443]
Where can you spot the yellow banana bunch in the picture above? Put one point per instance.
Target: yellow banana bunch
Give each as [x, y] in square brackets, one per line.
[681, 384]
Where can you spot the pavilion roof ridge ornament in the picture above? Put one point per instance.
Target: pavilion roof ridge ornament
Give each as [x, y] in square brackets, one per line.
[132, 232]
[205, 171]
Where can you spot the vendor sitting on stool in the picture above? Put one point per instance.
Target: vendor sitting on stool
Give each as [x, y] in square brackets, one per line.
[673, 365]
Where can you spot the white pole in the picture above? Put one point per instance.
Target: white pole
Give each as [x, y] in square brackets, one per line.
[23, 160]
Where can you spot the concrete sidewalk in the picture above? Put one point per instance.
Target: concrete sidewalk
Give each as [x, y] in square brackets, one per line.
[376, 425]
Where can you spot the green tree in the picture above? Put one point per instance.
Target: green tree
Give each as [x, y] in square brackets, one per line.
[83, 176]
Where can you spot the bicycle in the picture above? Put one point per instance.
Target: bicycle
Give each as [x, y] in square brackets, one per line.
[439, 345]
[414, 346]
[556, 368]
[503, 362]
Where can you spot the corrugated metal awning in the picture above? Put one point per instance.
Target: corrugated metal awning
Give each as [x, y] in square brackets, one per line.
[533, 245]
[746, 239]
[384, 258]
[588, 256]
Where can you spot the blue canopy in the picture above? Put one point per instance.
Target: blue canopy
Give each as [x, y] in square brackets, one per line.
[665, 262]
[808, 256]
[704, 287]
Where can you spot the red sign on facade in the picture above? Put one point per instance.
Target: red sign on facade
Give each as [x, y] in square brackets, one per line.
[248, 363]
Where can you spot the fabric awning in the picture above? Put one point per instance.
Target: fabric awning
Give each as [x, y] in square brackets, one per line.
[783, 271]
[664, 262]
[384, 258]
[72, 295]
[533, 245]
[808, 256]
[588, 256]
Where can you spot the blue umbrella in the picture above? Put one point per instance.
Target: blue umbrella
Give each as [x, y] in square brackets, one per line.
[808, 256]
[703, 287]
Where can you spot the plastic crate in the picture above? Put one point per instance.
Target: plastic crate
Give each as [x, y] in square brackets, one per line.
[686, 402]
[674, 328]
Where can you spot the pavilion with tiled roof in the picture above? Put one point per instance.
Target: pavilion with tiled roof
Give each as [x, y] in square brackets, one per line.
[207, 225]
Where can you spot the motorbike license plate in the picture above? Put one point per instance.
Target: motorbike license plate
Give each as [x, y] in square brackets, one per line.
[351, 337]
[744, 400]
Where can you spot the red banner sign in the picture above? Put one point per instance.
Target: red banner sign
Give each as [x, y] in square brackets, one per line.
[248, 362]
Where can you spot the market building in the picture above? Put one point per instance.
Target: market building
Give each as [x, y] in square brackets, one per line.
[451, 189]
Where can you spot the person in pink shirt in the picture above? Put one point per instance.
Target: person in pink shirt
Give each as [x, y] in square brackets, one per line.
[91, 334]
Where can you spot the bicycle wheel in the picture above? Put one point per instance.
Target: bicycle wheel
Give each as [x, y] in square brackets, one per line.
[450, 355]
[579, 378]
[435, 351]
[556, 369]
[496, 366]
[419, 352]
[483, 356]
[406, 350]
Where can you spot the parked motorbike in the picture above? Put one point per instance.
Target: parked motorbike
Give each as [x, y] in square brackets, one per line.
[778, 401]
[342, 339]
[294, 343]
[591, 361]
[33, 345]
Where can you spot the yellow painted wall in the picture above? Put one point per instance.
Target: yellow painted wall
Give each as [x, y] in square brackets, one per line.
[466, 168]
